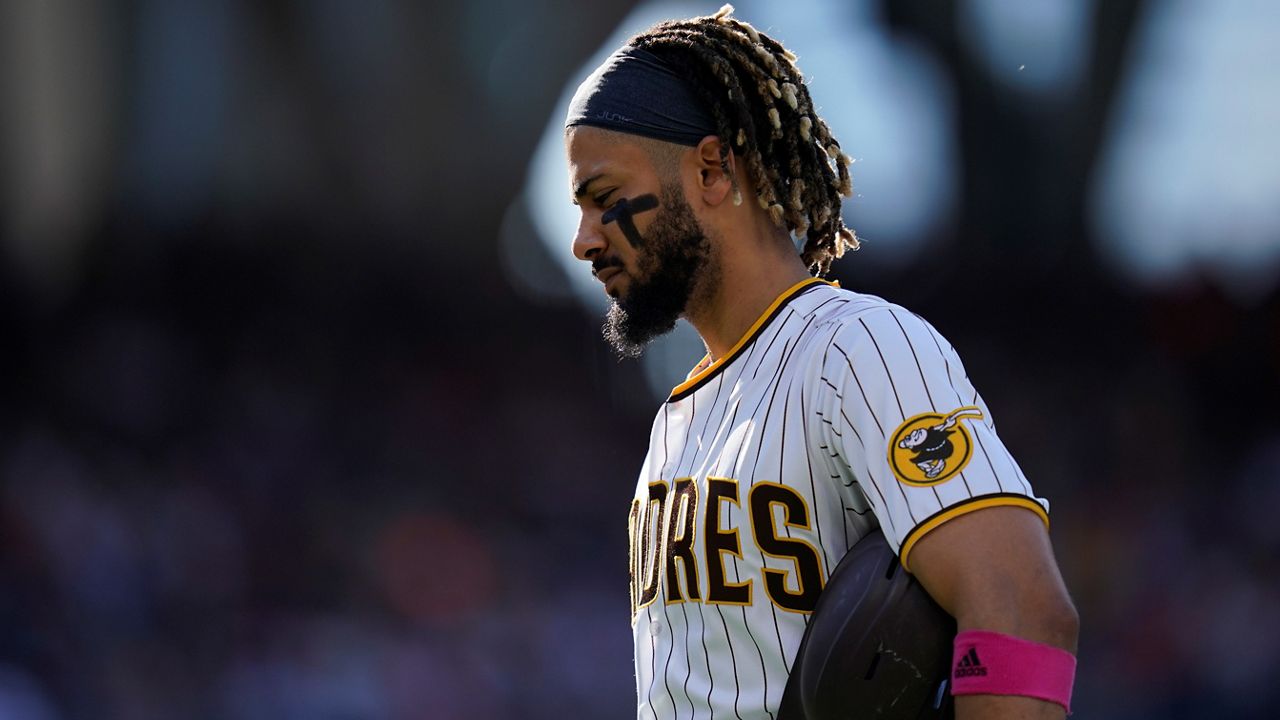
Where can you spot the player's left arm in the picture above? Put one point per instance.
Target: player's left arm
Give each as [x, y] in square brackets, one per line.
[993, 569]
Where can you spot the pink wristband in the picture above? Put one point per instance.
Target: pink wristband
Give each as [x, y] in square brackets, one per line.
[991, 663]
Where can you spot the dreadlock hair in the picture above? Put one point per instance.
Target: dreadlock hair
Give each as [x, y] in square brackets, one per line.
[761, 105]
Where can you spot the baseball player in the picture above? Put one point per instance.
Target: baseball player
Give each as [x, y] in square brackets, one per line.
[818, 415]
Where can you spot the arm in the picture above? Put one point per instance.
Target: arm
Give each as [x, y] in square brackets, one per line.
[993, 569]
[891, 376]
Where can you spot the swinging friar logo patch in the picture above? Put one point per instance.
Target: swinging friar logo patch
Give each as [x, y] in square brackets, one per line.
[930, 448]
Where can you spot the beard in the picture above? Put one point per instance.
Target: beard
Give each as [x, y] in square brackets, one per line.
[671, 267]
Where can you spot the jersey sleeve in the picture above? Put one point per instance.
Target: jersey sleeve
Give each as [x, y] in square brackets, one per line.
[908, 431]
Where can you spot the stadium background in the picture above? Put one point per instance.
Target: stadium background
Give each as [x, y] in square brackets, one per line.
[302, 414]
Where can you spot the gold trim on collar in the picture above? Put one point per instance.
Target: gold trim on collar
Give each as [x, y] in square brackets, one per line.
[705, 370]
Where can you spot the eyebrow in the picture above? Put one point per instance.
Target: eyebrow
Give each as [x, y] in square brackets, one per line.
[581, 188]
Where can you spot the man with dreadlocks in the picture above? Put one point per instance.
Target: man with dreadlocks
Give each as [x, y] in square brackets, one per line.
[710, 189]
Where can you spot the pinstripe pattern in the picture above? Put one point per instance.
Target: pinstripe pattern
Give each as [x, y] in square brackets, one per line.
[805, 410]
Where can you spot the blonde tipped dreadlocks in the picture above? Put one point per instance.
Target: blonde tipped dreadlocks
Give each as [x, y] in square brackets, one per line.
[797, 166]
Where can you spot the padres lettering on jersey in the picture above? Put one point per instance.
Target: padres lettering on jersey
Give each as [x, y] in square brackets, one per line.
[663, 530]
[836, 413]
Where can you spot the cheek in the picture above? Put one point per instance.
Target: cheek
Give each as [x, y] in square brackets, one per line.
[623, 215]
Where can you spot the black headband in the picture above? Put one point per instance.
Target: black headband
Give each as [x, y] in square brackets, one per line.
[636, 92]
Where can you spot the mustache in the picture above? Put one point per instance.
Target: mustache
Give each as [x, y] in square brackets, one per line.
[600, 264]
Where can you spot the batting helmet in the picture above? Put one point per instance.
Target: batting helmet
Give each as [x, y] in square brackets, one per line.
[877, 646]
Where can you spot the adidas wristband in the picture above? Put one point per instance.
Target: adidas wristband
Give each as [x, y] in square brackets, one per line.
[991, 663]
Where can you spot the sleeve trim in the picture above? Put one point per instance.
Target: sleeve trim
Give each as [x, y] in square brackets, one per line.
[951, 513]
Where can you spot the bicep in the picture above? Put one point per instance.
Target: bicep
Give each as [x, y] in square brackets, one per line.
[994, 569]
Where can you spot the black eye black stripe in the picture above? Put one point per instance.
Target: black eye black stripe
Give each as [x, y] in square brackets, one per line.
[622, 212]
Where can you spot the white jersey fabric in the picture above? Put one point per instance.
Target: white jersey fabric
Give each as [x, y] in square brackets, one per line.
[835, 414]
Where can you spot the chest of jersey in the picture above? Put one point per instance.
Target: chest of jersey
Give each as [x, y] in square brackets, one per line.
[735, 504]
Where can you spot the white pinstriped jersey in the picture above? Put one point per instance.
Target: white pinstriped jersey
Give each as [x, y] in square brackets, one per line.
[836, 413]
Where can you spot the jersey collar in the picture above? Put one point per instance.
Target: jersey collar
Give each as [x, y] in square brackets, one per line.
[706, 369]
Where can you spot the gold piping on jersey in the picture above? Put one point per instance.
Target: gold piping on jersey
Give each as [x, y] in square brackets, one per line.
[704, 371]
[951, 513]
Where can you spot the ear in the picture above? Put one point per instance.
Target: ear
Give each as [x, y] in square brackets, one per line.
[716, 178]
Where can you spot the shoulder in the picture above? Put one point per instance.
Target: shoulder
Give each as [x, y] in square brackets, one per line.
[856, 334]
[852, 319]
[828, 303]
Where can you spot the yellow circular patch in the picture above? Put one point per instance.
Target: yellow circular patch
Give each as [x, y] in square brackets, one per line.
[931, 448]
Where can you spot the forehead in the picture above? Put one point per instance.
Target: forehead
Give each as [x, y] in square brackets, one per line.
[595, 151]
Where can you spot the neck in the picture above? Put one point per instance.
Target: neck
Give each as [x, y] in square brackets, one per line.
[750, 279]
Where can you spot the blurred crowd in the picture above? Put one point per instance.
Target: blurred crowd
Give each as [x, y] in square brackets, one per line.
[279, 440]
[303, 487]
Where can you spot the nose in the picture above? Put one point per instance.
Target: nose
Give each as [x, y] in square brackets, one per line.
[589, 240]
